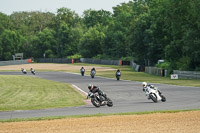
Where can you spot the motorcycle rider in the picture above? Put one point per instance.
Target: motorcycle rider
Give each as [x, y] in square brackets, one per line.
[32, 71]
[145, 86]
[93, 88]
[93, 69]
[93, 72]
[23, 70]
[82, 70]
[118, 71]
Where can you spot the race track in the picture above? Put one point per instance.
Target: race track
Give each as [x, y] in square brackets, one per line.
[126, 95]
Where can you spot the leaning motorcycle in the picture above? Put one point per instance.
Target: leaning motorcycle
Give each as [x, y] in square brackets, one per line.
[23, 71]
[95, 100]
[32, 71]
[118, 75]
[154, 94]
[92, 73]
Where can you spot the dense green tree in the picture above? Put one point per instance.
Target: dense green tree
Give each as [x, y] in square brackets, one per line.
[115, 44]
[91, 43]
[93, 17]
[66, 15]
[68, 27]
[10, 44]
[5, 22]
[145, 30]
[44, 43]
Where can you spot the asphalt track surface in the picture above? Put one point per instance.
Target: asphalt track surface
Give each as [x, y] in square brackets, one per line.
[127, 96]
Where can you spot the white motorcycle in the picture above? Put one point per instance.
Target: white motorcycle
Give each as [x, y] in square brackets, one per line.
[154, 94]
[118, 75]
[23, 70]
[92, 73]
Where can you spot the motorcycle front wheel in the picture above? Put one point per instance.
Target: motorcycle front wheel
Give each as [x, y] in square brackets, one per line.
[95, 102]
[153, 97]
[163, 98]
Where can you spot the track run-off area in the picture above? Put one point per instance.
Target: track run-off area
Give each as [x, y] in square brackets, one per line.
[127, 96]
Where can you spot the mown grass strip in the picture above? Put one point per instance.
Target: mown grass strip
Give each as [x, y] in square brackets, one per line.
[25, 93]
[95, 115]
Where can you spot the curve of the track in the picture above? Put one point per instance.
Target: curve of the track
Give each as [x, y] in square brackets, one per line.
[126, 95]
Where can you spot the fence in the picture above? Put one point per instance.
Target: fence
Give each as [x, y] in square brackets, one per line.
[98, 61]
[187, 74]
[54, 60]
[135, 66]
[13, 62]
[156, 71]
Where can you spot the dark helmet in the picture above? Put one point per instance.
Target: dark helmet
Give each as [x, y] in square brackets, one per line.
[90, 86]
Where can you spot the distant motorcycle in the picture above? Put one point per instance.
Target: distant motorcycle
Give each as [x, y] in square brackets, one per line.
[32, 71]
[95, 100]
[82, 71]
[92, 73]
[23, 70]
[154, 94]
[118, 75]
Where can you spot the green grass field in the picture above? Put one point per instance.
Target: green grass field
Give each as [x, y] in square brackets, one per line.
[24, 93]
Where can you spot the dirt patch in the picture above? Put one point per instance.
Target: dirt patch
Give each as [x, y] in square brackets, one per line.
[56, 67]
[182, 122]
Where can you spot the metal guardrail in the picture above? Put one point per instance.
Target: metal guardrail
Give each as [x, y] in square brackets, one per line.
[135, 66]
[98, 61]
[54, 60]
[13, 62]
[187, 74]
[155, 71]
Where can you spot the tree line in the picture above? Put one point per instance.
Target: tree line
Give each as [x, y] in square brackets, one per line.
[140, 30]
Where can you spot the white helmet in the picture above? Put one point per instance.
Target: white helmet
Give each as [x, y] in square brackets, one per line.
[144, 84]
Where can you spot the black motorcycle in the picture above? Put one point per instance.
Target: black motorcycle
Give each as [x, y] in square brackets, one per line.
[95, 100]
[118, 75]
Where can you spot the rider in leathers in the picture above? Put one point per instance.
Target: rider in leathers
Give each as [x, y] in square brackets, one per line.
[145, 86]
[94, 89]
[118, 71]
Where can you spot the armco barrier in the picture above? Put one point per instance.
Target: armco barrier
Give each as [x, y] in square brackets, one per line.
[54, 60]
[135, 66]
[187, 74]
[155, 71]
[13, 62]
[98, 61]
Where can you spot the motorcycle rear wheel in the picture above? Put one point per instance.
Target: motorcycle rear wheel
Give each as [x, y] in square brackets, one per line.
[110, 103]
[153, 97]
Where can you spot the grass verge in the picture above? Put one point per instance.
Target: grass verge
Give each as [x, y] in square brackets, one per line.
[95, 115]
[25, 93]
